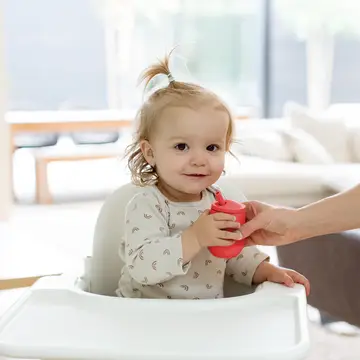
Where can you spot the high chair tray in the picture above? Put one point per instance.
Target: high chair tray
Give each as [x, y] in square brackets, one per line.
[57, 320]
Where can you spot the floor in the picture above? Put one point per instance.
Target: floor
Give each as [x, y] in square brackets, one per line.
[327, 346]
[52, 239]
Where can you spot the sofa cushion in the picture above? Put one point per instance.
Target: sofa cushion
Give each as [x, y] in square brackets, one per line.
[330, 132]
[351, 114]
[349, 111]
[266, 144]
[262, 138]
[354, 135]
[305, 148]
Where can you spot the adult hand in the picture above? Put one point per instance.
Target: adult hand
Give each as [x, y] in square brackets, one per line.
[268, 225]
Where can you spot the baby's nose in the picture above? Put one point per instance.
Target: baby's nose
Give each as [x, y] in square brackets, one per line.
[198, 159]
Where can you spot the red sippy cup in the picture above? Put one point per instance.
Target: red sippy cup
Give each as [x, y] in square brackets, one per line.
[234, 208]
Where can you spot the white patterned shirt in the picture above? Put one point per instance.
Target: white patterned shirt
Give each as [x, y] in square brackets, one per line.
[152, 252]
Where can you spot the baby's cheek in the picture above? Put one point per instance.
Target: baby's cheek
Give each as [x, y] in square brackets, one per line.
[218, 165]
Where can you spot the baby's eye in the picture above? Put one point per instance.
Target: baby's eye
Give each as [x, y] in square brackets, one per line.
[181, 147]
[212, 148]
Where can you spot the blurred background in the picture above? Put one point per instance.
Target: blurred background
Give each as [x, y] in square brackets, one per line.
[87, 55]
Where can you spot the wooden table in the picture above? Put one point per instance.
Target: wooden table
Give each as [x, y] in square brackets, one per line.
[22, 122]
[71, 121]
[67, 121]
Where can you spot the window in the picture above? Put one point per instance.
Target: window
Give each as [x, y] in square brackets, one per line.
[65, 54]
[287, 66]
[218, 42]
[54, 54]
[289, 56]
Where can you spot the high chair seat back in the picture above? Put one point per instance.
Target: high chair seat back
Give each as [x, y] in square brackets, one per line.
[106, 263]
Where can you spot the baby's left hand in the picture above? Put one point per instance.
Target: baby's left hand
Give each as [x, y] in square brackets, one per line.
[270, 272]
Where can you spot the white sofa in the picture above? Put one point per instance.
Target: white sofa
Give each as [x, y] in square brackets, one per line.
[274, 168]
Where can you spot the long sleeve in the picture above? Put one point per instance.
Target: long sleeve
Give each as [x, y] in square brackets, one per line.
[151, 254]
[243, 267]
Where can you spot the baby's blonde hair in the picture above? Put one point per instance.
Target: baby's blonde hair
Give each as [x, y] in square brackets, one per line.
[181, 94]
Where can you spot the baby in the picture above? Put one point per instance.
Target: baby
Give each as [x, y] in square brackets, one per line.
[178, 154]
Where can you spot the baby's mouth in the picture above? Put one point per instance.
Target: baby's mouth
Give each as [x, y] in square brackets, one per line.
[196, 175]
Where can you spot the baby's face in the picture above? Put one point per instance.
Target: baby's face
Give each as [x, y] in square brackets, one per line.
[189, 149]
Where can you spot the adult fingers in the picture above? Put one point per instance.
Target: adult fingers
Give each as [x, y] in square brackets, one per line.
[228, 235]
[223, 217]
[227, 224]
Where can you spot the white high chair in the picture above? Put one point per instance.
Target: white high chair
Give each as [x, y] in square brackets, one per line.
[63, 317]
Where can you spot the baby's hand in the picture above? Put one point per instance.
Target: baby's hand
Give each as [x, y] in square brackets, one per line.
[270, 272]
[208, 229]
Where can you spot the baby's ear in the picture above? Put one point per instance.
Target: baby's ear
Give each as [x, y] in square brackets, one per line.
[147, 152]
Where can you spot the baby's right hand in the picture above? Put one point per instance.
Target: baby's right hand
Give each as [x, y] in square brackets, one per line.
[208, 229]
